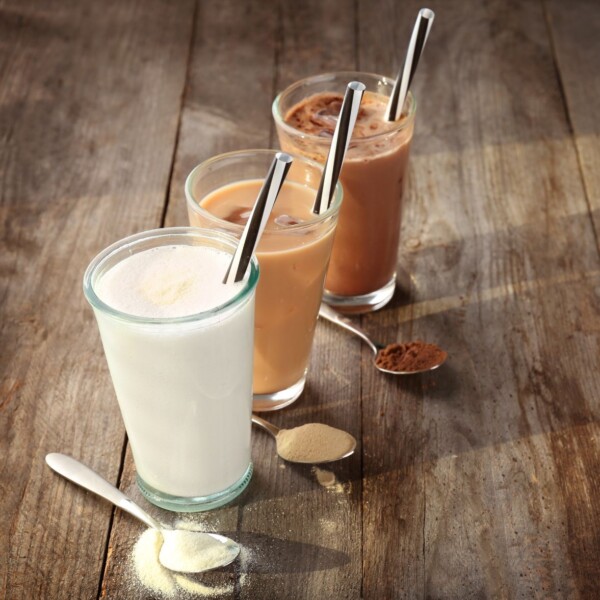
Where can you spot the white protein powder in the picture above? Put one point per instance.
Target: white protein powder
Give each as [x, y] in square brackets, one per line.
[180, 547]
[192, 551]
[150, 572]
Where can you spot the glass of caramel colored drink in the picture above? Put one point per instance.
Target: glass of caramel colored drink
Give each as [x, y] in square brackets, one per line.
[362, 271]
[293, 255]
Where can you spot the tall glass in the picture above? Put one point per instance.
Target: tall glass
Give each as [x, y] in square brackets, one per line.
[362, 272]
[293, 255]
[184, 384]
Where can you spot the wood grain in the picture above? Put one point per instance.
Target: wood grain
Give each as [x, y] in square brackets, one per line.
[81, 85]
[295, 528]
[480, 480]
[226, 107]
[574, 35]
[502, 258]
[314, 529]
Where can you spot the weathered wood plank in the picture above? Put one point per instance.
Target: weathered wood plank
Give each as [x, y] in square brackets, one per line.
[313, 545]
[574, 33]
[297, 531]
[499, 244]
[574, 28]
[81, 86]
[229, 89]
[480, 480]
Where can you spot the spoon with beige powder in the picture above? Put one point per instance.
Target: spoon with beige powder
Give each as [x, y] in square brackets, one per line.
[312, 443]
[182, 550]
[408, 358]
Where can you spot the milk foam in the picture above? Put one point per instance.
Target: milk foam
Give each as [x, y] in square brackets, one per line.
[168, 282]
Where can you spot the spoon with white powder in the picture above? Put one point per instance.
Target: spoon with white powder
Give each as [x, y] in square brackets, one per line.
[311, 443]
[182, 551]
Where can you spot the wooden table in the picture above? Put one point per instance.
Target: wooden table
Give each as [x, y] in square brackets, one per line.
[481, 480]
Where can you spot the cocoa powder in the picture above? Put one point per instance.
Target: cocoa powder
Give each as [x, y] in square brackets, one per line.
[412, 356]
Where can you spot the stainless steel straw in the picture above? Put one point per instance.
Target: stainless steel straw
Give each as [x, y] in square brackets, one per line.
[258, 218]
[339, 145]
[407, 72]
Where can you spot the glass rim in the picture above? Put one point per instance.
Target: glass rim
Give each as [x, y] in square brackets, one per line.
[195, 205]
[350, 75]
[131, 241]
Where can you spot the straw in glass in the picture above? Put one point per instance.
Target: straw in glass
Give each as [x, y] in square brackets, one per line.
[407, 72]
[258, 218]
[339, 145]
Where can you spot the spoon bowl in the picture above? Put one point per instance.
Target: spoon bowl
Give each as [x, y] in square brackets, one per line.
[337, 319]
[174, 539]
[274, 431]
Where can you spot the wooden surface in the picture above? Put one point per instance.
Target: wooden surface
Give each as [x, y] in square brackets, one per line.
[481, 480]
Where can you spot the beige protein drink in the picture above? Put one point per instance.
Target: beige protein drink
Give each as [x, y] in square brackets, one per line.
[293, 255]
[362, 271]
[178, 343]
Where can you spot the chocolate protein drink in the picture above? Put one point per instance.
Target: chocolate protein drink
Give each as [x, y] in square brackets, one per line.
[365, 252]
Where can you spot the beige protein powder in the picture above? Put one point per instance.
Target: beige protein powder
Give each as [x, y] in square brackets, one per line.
[314, 443]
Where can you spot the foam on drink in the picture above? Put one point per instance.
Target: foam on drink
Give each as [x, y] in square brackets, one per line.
[168, 282]
[318, 115]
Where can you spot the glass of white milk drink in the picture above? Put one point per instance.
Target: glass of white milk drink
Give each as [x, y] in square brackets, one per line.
[179, 347]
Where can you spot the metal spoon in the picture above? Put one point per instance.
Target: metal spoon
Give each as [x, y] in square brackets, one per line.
[90, 480]
[334, 317]
[274, 430]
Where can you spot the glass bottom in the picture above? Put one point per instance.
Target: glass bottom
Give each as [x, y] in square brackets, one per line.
[365, 303]
[197, 503]
[277, 400]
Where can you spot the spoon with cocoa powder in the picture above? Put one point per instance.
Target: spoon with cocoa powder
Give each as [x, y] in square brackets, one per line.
[396, 359]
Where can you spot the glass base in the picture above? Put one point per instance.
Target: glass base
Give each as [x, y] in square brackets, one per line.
[197, 503]
[277, 400]
[362, 304]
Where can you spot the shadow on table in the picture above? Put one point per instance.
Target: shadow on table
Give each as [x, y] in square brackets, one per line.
[275, 555]
[517, 311]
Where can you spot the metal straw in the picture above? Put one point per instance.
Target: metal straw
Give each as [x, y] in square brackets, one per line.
[407, 72]
[258, 218]
[339, 145]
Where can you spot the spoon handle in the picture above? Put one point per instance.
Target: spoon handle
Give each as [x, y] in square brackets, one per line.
[331, 315]
[90, 480]
[272, 429]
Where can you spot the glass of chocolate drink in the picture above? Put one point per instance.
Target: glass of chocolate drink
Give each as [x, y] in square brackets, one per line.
[293, 254]
[362, 270]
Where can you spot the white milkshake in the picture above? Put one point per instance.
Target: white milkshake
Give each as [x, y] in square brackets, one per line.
[179, 347]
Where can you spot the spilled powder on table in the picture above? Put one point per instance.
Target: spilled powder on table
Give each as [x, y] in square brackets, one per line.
[324, 477]
[151, 573]
[155, 578]
[195, 587]
[189, 525]
[328, 526]
[246, 558]
[328, 480]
